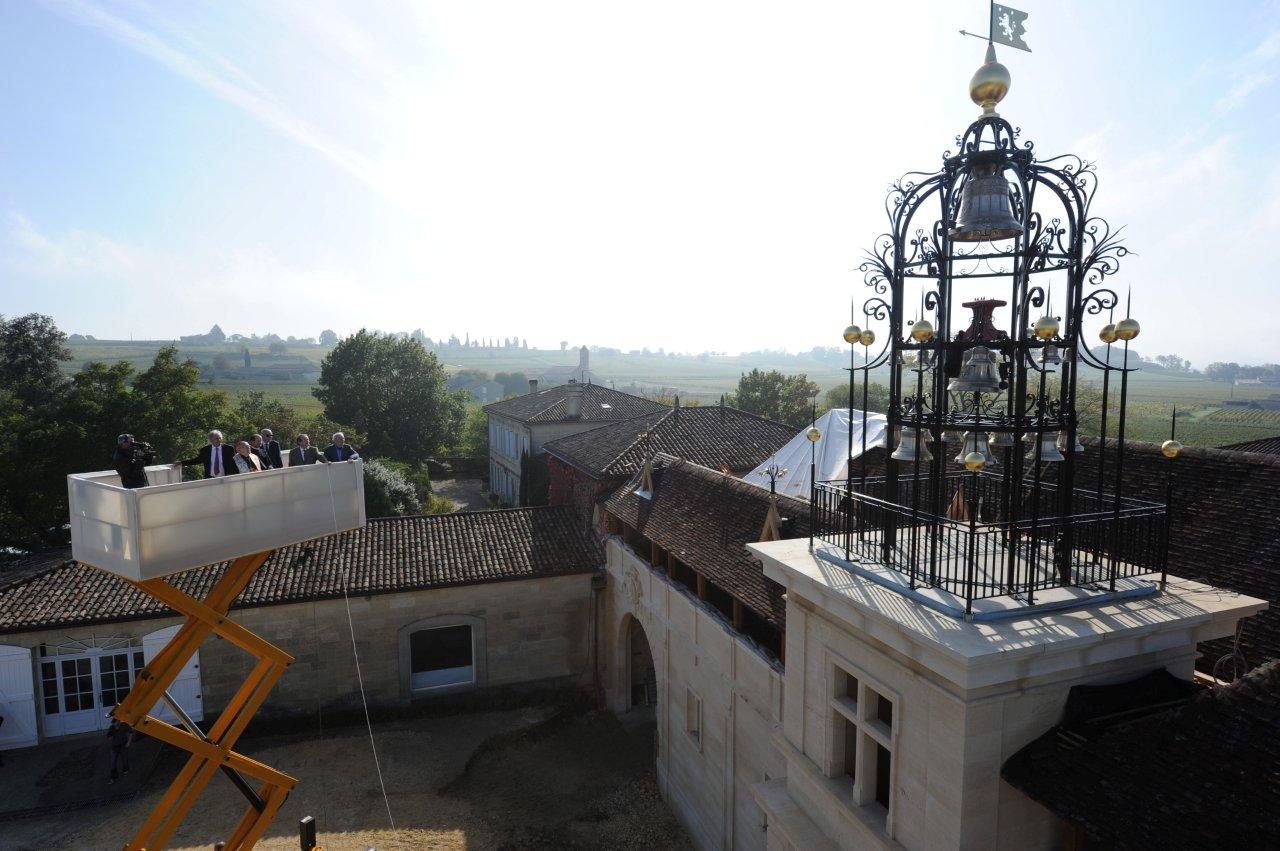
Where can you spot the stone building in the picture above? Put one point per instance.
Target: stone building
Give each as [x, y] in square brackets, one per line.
[438, 605]
[519, 427]
[587, 467]
[882, 722]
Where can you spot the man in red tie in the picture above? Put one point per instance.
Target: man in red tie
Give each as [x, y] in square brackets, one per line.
[217, 458]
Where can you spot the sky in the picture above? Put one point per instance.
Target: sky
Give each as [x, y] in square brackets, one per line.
[687, 175]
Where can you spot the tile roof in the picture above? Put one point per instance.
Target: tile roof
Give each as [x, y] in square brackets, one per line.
[714, 436]
[388, 554]
[1265, 445]
[1225, 527]
[599, 404]
[1203, 775]
[706, 519]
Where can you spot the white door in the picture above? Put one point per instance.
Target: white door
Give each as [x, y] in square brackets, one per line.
[17, 698]
[70, 697]
[186, 688]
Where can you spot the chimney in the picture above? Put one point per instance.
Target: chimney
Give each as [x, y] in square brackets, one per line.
[573, 400]
[721, 409]
[533, 386]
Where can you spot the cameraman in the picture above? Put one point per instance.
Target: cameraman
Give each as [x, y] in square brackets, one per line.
[131, 459]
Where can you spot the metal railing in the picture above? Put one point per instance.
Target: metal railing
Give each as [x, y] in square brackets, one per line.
[978, 535]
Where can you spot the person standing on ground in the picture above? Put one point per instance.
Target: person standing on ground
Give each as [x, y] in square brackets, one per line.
[340, 450]
[304, 453]
[131, 461]
[273, 448]
[120, 736]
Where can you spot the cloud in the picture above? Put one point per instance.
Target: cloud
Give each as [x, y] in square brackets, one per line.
[220, 77]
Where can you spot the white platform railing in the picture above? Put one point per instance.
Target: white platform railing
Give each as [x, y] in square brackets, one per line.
[174, 526]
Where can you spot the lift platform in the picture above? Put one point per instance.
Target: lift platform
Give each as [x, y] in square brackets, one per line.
[149, 534]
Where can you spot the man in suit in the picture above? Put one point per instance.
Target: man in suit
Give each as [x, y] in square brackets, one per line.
[217, 458]
[340, 450]
[259, 449]
[304, 453]
[273, 448]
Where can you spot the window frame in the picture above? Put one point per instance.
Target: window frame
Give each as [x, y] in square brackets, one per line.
[860, 716]
[479, 661]
[693, 717]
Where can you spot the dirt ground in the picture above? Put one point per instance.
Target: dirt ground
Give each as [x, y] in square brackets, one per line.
[525, 778]
[467, 493]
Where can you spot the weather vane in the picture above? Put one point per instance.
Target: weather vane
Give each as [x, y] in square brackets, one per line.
[1007, 26]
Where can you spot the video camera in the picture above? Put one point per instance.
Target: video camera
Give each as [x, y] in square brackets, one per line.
[143, 451]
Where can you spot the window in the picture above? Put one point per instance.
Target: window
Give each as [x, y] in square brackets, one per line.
[441, 657]
[693, 717]
[862, 737]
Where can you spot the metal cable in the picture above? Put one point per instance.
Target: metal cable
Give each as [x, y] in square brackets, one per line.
[355, 654]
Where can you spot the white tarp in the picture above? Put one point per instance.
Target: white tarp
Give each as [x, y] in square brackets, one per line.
[830, 454]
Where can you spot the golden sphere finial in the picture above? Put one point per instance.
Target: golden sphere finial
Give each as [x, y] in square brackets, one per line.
[1046, 327]
[852, 334]
[814, 434]
[1127, 328]
[922, 331]
[990, 83]
[974, 461]
[867, 337]
[1171, 448]
[1107, 333]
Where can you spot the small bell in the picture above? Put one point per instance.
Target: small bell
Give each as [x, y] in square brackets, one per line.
[1049, 356]
[912, 446]
[1062, 442]
[1001, 440]
[975, 441]
[979, 372]
[985, 209]
[1048, 448]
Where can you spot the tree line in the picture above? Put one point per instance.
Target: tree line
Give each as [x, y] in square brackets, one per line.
[388, 394]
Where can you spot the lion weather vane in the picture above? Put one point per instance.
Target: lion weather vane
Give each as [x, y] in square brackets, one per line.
[1007, 26]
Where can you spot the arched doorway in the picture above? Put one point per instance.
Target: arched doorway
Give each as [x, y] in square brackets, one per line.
[642, 678]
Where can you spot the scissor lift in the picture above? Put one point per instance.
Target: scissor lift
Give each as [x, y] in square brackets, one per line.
[142, 535]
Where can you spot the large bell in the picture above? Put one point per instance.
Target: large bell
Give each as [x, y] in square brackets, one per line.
[912, 446]
[1062, 442]
[1048, 448]
[974, 441]
[1001, 440]
[985, 209]
[979, 372]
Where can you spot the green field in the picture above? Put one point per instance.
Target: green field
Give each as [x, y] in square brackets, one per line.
[289, 377]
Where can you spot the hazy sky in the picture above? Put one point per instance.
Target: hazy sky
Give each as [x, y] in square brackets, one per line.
[688, 175]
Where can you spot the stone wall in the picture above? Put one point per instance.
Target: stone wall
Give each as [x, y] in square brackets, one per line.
[699, 660]
[526, 632]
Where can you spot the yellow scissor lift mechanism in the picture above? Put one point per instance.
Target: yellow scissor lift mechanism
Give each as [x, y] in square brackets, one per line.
[134, 534]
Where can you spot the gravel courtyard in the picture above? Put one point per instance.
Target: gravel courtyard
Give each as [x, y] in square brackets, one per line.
[523, 778]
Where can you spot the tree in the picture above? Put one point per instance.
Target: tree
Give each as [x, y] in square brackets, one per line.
[387, 493]
[473, 437]
[260, 412]
[1219, 371]
[248, 359]
[278, 347]
[394, 391]
[1173, 363]
[463, 377]
[31, 347]
[221, 364]
[513, 383]
[877, 397]
[785, 398]
[328, 338]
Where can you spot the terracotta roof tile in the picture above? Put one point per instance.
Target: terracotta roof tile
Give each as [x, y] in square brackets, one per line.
[388, 554]
[714, 436]
[707, 518]
[1200, 776]
[599, 404]
[1265, 445]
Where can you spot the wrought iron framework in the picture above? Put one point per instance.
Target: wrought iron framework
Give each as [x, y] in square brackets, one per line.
[1015, 520]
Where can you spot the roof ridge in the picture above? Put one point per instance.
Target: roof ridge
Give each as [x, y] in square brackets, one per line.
[1218, 453]
[670, 462]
